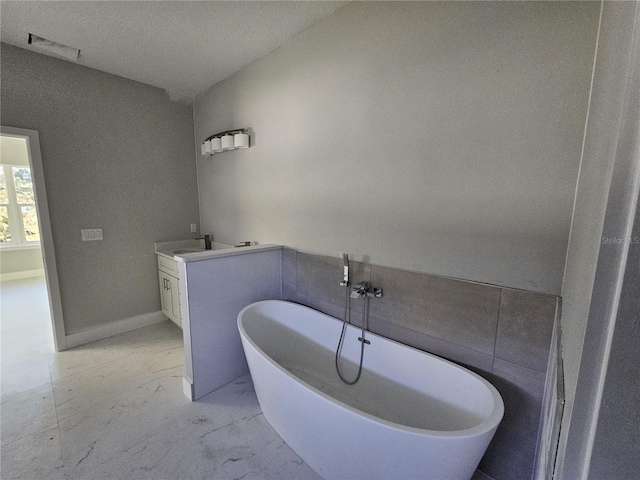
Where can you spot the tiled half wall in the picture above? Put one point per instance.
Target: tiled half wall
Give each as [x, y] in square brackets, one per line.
[502, 334]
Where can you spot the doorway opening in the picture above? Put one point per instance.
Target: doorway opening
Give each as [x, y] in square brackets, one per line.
[31, 312]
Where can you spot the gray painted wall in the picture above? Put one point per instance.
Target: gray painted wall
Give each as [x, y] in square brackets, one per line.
[117, 155]
[594, 190]
[439, 137]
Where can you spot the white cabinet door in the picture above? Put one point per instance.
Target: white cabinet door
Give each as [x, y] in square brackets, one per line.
[169, 297]
[175, 300]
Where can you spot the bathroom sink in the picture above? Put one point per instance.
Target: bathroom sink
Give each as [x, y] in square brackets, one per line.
[187, 250]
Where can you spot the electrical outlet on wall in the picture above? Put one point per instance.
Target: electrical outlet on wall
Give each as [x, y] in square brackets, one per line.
[193, 228]
[91, 234]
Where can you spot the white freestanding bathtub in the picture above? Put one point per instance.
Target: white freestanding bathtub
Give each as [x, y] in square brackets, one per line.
[411, 414]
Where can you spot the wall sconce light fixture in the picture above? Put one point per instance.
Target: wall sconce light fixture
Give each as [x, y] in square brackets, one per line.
[223, 141]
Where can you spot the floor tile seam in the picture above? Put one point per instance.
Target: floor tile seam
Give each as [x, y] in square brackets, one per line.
[111, 397]
[55, 405]
[155, 352]
[161, 355]
[495, 337]
[151, 372]
[4, 397]
[35, 432]
[61, 379]
[228, 383]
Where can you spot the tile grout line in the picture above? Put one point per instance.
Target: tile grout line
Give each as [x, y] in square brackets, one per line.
[55, 404]
[59, 431]
[107, 362]
[495, 339]
[55, 409]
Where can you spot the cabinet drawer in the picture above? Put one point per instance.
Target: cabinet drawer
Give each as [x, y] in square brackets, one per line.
[167, 265]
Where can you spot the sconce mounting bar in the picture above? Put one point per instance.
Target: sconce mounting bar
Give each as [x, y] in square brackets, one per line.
[227, 132]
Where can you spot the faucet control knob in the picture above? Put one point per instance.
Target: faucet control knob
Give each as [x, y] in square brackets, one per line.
[363, 289]
[375, 292]
[360, 290]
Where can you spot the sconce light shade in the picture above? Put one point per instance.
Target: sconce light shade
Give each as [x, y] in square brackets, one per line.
[241, 140]
[216, 145]
[227, 142]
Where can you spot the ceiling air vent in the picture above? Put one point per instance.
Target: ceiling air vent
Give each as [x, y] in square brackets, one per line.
[58, 49]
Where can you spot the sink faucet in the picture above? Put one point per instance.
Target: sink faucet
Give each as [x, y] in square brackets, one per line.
[207, 241]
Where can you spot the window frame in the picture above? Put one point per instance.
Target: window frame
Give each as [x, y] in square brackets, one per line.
[16, 223]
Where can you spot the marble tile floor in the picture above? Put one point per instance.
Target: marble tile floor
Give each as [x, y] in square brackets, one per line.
[114, 409]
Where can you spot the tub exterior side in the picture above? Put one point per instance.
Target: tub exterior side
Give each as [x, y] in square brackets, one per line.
[338, 443]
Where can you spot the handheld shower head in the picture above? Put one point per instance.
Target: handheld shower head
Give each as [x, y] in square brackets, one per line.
[345, 270]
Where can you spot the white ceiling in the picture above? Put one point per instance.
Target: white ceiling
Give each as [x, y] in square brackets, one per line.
[184, 47]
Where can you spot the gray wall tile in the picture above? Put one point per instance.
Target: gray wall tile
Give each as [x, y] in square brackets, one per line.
[525, 326]
[289, 292]
[454, 319]
[289, 261]
[459, 312]
[319, 277]
[322, 306]
[476, 361]
[509, 457]
[356, 313]
[522, 390]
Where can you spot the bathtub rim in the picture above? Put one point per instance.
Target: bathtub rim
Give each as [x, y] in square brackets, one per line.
[487, 425]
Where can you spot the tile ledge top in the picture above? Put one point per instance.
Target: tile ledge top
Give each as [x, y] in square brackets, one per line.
[229, 251]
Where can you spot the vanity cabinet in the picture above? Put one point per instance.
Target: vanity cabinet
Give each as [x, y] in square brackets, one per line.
[169, 290]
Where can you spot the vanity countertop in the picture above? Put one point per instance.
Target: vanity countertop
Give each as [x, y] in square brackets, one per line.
[223, 252]
[170, 249]
[193, 251]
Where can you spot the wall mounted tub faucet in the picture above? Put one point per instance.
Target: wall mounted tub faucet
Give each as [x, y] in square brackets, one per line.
[363, 289]
[359, 290]
[207, 241]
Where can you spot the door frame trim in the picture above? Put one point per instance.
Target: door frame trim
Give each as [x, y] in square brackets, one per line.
[46, 235]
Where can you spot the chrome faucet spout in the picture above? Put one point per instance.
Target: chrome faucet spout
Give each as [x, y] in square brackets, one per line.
[207, 241]
[363, 289]
[360, 290]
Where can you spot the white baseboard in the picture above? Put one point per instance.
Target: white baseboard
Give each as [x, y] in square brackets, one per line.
[187, 389]
[114, 328]
[7, 277]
